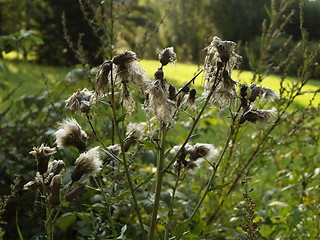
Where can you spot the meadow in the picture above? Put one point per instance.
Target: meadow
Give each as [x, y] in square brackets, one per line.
[266, 185]
[36, 78]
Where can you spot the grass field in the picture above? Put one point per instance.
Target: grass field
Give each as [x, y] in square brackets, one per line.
[32, 77]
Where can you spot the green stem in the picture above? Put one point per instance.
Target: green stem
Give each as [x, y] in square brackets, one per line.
[125, 163]
[207, 190]
[107, 202]
[159, 179]
[166, 235]
[49, 222]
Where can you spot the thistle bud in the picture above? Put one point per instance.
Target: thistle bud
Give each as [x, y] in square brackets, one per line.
[243, 90]
[76, 191]
[55, 190]
[172, 92]
[158, 74]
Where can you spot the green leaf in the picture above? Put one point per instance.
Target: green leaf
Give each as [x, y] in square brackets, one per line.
[170, 172]
[145, 181]
[189, 209]
[182, 229]
[148, 144]
[18, 228]
[121, 118]
[120, 196]
[66, 220]
[217, 187]
[195, 136]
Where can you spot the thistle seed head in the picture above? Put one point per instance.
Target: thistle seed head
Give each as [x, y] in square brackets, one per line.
[70, 134]
[43, 155]
[167, 55]
[87, 163]
[102, 78]
[81, 100]
[255, 115]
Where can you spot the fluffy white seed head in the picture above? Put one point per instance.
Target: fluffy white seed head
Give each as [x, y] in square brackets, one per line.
[70, 134]
[81, 100]
[87, 163]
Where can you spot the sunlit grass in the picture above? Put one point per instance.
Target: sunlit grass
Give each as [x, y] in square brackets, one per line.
[181, 73]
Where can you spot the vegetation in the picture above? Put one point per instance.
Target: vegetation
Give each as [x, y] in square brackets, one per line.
[182, 151]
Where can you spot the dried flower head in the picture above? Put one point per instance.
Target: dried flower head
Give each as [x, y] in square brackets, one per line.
[55, 184]
[43, 155]
[70, 134]
[158, 102]
[115, 150]
[222, 51]
[167, 55]
[102, 78]
[199, 150]
[202, 150]
[81, 100]
[56, 167]
[124, 58]
[87, 163]
[219, 63]
[34, 184]
[262, 92]
[269, 94]
[254, 115]
[134, 131]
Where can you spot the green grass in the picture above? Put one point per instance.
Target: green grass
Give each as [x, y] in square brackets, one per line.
[32, 77]
[181, 73]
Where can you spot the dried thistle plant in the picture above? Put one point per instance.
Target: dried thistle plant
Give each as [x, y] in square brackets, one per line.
[250, 227]
[70, 134]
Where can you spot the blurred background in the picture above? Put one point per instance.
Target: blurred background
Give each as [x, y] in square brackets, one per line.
[141, 26]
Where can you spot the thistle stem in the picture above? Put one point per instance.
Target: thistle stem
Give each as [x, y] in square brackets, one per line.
[159, 179]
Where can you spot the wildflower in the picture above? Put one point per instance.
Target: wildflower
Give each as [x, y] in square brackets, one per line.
[222, 51]
[102, 78]
[269, 94]
[34, 184]
[70, 134]
[191, 100]
[55, 184]
[81, 100]
[43, 155]
[254, 115]
[134, 131]
[115, 150]
[158, 102]
[263, 92]
[172, 93]
[220, 55]
[55, 167]
[199, 150]
[87, 163]
[255, 91]
[167, 55]
[76, 191]
[128, 70]
[202, 150]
